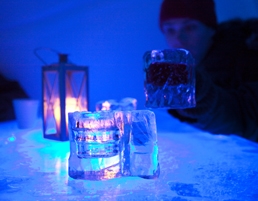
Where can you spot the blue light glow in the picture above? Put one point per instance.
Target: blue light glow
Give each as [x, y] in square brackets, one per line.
[193, 165]
[12, 139]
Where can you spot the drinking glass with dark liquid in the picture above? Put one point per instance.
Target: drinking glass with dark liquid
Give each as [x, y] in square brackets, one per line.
[169, 80]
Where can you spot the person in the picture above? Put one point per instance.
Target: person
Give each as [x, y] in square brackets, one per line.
[226, 66]
[9, 90]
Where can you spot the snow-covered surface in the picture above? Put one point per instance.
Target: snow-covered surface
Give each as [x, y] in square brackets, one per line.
[194, 165]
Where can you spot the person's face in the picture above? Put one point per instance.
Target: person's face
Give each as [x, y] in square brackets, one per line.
[189, 34]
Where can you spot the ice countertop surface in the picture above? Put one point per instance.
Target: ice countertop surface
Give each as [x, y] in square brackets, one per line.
[194, 166]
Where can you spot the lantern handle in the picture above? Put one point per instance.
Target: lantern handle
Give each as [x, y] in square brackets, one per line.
[44, 48]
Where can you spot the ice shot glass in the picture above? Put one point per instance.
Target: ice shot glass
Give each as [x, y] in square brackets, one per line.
[169, 79]
[95, 146]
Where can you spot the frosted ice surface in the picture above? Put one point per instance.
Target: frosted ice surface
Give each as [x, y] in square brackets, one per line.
[194, 166]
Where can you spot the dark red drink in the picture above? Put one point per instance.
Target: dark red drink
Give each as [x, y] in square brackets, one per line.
[161, 73]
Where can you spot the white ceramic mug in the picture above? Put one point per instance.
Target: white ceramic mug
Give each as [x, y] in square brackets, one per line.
[26, 112]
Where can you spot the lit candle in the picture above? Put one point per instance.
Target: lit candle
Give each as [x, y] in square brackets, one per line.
[71, 105]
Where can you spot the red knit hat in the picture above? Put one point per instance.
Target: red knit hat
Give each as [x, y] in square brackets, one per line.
[202, 10]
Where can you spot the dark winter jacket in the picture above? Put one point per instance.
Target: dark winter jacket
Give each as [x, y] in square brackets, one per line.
[227, 83]
[9, 90]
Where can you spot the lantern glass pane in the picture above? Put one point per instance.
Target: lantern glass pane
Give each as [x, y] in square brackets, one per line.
[51, 108]
[76, 91]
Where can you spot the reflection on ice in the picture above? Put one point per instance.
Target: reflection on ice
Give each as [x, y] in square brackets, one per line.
[194, 166]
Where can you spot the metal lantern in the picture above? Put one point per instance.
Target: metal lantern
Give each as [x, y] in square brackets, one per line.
[65, 89]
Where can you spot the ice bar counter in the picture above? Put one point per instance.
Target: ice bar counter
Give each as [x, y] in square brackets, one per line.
[194, 165]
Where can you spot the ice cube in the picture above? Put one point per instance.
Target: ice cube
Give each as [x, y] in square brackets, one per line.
[143, 154]
[144, 149]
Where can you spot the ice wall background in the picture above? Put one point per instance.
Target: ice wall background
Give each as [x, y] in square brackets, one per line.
[108, 36]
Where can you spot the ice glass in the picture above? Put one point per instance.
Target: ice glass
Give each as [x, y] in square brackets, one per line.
[111, 144]
[110, 104]
[143, 144]
[169, 80]
[127, 103]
